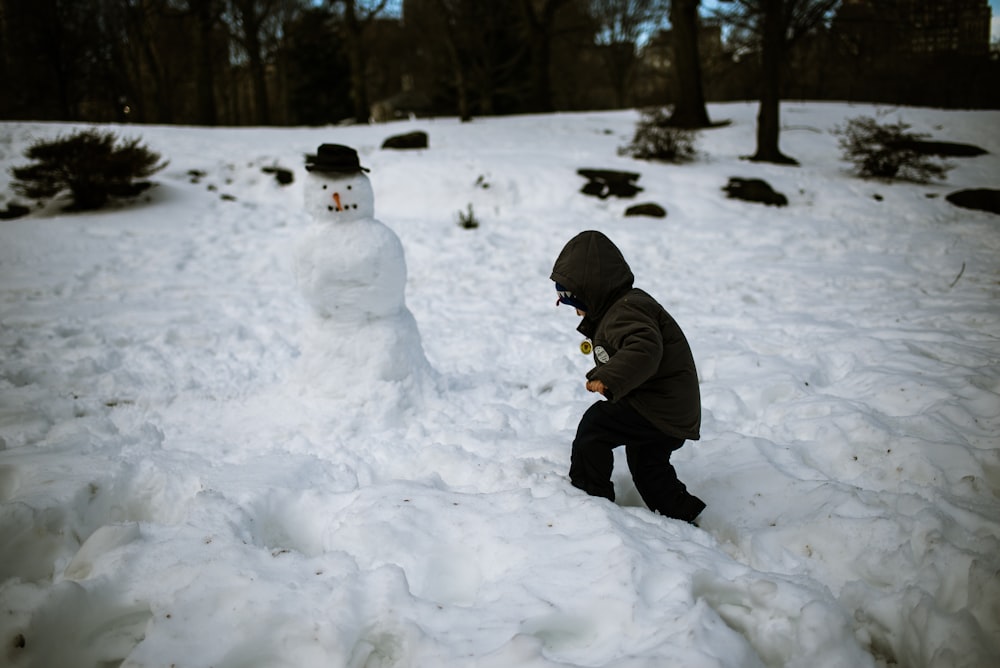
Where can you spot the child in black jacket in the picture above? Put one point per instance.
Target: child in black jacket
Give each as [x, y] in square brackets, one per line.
[645, 370]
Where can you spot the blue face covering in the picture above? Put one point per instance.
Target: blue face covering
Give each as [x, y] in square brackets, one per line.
[567, 297]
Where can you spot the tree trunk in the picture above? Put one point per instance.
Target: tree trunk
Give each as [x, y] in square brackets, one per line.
[258, 78]
[358, 61]
[5, 51]
[689, 110]
[142, 22]
[462, 91]
[769, 113]
[359, 92]
[539, 86]
[461, 80]
[450, 25]
[207, 112]
[622, 63]
[485, 100]
[162, 99]
[539, 24]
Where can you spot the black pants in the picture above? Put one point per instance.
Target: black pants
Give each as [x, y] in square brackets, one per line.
[607, 425]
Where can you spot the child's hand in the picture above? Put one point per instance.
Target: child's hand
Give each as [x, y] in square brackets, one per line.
[596, 386]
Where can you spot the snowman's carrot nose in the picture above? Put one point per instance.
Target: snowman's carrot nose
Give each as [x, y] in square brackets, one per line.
[336, 199]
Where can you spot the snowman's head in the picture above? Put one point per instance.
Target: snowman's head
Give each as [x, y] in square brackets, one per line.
[339, 198]
[337, 189]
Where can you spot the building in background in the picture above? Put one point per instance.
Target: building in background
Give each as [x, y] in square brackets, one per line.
[918, 52]
[919, 26]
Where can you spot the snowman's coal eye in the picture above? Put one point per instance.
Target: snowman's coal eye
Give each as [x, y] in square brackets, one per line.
[329, 208]
[324, 187]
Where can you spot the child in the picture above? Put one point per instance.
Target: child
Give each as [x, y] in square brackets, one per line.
[644, 369]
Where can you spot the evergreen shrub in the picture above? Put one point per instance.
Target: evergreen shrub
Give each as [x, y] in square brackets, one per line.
[888, 151]
[91, 164]
[656, 139]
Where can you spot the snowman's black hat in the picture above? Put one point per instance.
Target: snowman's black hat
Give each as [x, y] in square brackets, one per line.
[334, 158]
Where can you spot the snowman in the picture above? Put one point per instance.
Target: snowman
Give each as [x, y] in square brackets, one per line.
[351, 270]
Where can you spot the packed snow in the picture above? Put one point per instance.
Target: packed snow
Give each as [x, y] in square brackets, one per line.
[197, 468]
[351, 269]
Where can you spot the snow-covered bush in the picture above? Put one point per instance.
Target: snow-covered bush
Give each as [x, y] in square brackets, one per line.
[90, 164]
[656, 139]
[887, 151]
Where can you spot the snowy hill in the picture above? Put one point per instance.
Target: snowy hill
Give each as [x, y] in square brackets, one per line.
[175, 490]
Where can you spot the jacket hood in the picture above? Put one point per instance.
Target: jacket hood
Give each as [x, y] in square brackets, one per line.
[592, 268]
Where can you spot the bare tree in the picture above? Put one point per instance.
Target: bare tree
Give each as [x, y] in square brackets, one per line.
[773, 27]
[621, 24]
[358, 16]
[452, 16]
[249, 17]
[495, 50]
[207, 15]
[258, 28]
[318, 74]
[147, 40]
[473, 50]
[539, 17]
[690, 110]
[44, 49]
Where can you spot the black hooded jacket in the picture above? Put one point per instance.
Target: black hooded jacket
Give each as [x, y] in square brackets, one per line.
[641, 354]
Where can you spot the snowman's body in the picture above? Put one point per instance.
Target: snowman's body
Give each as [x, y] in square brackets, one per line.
[352, 271]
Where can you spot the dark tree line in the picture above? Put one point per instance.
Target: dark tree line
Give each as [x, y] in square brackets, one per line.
[309, 62]
[276, 61]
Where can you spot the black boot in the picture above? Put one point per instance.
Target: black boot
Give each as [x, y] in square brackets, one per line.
[689, 509]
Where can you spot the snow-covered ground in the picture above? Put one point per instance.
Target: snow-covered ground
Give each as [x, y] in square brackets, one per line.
[179, 489]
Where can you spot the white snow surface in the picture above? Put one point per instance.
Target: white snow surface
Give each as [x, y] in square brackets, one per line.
[187, 477]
